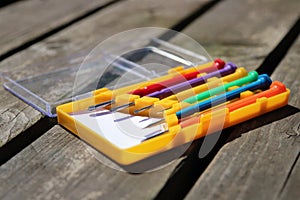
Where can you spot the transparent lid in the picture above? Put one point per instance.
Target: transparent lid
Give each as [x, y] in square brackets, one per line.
[84, 72]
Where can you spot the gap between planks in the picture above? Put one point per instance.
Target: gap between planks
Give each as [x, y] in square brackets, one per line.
[64, 158]
[269, 64]
[9, 153]
[4, 3]
[287, 115]
[55, 30]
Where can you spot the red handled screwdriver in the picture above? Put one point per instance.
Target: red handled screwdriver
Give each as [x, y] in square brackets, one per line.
[218, 64]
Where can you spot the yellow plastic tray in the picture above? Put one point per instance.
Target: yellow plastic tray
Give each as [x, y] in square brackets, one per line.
[212, 121]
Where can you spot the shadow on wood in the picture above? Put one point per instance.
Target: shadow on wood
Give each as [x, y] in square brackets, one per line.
[4, 3]
[191, 168]
[24, 139]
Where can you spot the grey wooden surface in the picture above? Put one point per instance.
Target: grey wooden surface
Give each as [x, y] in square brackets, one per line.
[27, 20]
[244, 32]
[260, 159]
[58, 165]
[73, 168]
[18, 116]
[261, 163]
[292, 133]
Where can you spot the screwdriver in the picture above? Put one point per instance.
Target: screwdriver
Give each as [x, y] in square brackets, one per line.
[275, 89]
[228, 69]
[218, 64]
[252, 76]
[263, 82]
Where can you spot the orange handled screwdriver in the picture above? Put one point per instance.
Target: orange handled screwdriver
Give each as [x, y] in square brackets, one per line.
[275, 89]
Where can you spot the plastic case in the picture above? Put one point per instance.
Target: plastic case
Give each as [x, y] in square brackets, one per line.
[175, 135]
[57, 84]
[69, 91]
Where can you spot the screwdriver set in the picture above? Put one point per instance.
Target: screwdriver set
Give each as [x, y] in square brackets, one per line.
[141, 120]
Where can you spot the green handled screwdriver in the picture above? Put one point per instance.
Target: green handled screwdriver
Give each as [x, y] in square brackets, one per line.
[252, 76]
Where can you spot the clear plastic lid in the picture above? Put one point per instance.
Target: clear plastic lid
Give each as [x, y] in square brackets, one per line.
[113, 68]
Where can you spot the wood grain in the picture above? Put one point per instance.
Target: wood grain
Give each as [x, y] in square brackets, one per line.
[55, 51]
[21, 22]
[243, 33]
[258, 163]
[26, 20]
[290, 190]
[59, 166]
[288, 72]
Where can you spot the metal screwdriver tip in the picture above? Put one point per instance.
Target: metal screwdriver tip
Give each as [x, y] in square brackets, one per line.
[155, 123]
[115, 109]
[157, 133]
[100, 105]
[142, 109]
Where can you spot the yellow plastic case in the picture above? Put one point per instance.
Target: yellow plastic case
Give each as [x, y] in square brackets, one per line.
[176, 135]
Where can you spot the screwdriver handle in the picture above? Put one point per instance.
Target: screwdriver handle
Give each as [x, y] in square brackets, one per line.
[263, 83]
[252, 76]
[228, 69]
[218, 64]
[275, 89]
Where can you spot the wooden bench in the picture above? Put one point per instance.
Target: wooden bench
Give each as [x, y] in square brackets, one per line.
[258, 159]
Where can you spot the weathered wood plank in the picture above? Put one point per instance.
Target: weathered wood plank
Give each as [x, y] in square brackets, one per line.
[6, 3]
[58, 165]
[291, 182]
[291, 189]
[85, 35]
[243, 32]
[26, 20]
[245, 41]
[257, 164]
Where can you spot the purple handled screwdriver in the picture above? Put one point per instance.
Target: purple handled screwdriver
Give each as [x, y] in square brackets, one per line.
[228, 69]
